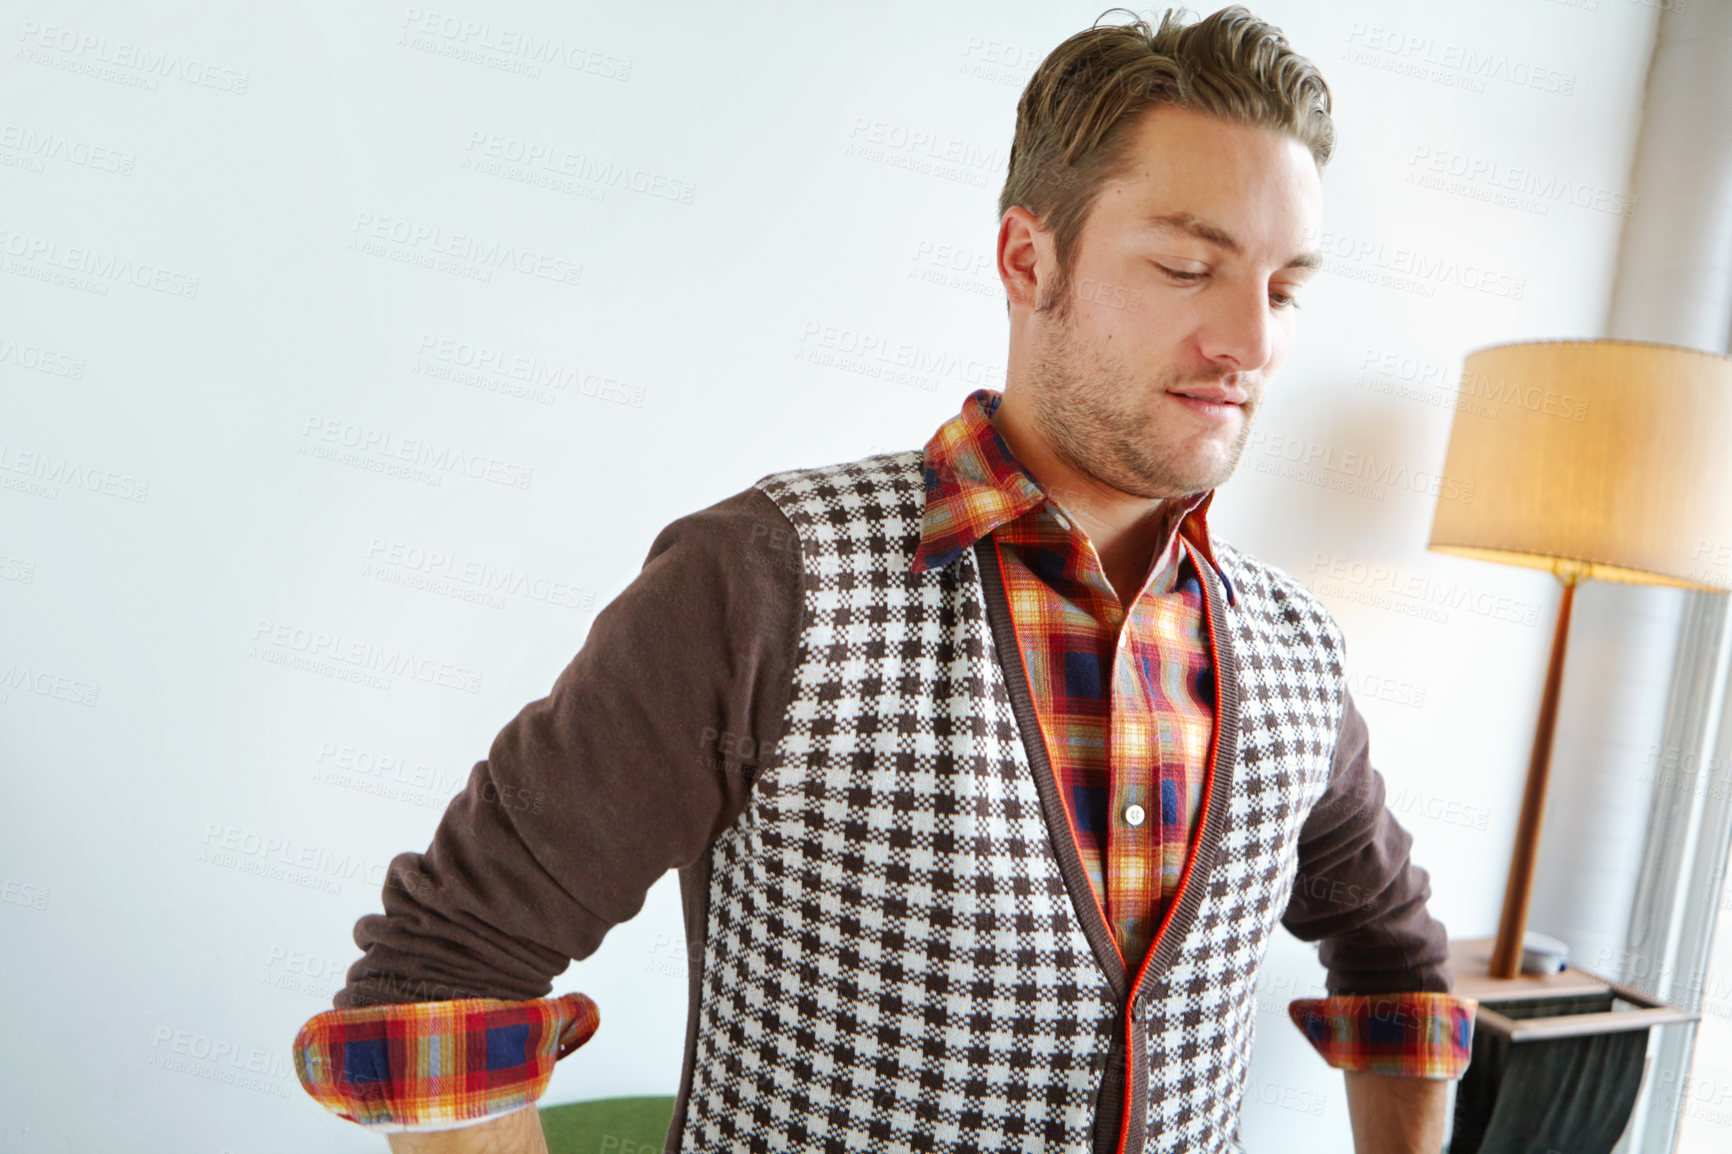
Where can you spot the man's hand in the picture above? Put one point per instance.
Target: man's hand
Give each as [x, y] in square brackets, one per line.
[1396, 1115]
[518, 1132]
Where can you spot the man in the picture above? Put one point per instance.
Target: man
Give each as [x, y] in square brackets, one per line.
[986, 770]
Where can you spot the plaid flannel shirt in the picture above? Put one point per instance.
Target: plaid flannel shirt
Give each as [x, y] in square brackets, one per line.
[1126, 706]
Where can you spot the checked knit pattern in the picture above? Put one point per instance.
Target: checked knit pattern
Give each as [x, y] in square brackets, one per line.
[892, 957]
[1202, 1016]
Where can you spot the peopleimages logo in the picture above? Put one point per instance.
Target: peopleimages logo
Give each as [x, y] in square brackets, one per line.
[1411, 378]
[923, 150]
[518, 374]
[41, 360]
[1412, 269]
[502, 46]
[200, 1055]
[465, 254]
[44, 473]
[1361, 467]
[328, 437]
[885, 358]
[286, 860]
[1529, 187]
[583, 168]
[44, 253]
[97, 55]
[318, 651]
[1411, 593]
[1500, 391]
[411, 564]
[36, 147]
[1458, 65]
[46, 683]
[1378, 687]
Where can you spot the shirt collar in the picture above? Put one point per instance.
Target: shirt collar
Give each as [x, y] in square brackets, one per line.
[974, 484]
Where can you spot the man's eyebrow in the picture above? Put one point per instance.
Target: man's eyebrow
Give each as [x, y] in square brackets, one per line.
[1219, 237]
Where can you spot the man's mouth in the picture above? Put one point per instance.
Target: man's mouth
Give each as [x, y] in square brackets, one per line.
[1216, 396]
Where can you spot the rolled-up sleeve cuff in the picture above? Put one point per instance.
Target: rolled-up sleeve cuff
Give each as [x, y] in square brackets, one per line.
[409, 1066]
[1415, 1035]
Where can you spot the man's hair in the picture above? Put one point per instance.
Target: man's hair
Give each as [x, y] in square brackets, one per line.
[1074, 116]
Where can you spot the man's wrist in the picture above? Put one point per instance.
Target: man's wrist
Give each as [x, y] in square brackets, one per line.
[518, 1132]
[1395, 1114]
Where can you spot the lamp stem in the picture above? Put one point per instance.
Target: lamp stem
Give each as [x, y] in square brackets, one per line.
[1506, 956]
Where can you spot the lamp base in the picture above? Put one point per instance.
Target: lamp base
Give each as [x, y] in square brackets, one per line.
[1543, 955]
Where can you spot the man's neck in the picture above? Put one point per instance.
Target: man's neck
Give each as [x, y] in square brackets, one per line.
[1130, 534]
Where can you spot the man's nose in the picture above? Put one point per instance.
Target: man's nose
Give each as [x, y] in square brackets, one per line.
[1239, 330]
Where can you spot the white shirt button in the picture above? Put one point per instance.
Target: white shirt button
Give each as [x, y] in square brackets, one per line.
[1063, 521]
[1134, 815]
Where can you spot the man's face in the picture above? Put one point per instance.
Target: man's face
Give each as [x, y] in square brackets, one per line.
[1185, 275]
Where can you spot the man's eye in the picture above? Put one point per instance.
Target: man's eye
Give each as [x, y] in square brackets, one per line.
[1283, 300]
[1176, 274]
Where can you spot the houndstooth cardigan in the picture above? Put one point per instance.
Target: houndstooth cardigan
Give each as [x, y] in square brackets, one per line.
[900, 951]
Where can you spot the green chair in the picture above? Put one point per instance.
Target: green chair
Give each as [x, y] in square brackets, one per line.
[608, 1126]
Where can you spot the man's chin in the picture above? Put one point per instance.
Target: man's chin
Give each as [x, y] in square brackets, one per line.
[1169, 486]
[1205, 477]
[1203, 471]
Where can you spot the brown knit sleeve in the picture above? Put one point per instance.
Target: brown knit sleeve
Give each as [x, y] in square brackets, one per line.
[641, 755]
[1357, 890]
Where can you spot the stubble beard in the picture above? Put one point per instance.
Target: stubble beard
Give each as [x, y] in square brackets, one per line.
[1088, 413]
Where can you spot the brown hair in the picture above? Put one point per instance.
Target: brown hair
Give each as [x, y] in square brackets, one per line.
[1072, 119]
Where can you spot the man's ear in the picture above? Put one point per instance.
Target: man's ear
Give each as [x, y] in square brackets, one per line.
[1024, 255]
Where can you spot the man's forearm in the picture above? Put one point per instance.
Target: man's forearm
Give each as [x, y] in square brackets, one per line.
[518, 1132]
[1396, 1115]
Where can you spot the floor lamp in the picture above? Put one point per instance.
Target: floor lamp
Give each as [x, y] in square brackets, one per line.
[1600, 459]
[1609, 460]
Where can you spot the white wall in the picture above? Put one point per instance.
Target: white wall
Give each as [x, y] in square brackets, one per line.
[192, 284]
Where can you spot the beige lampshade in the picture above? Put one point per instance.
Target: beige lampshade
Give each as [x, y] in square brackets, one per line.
[1609, 459]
